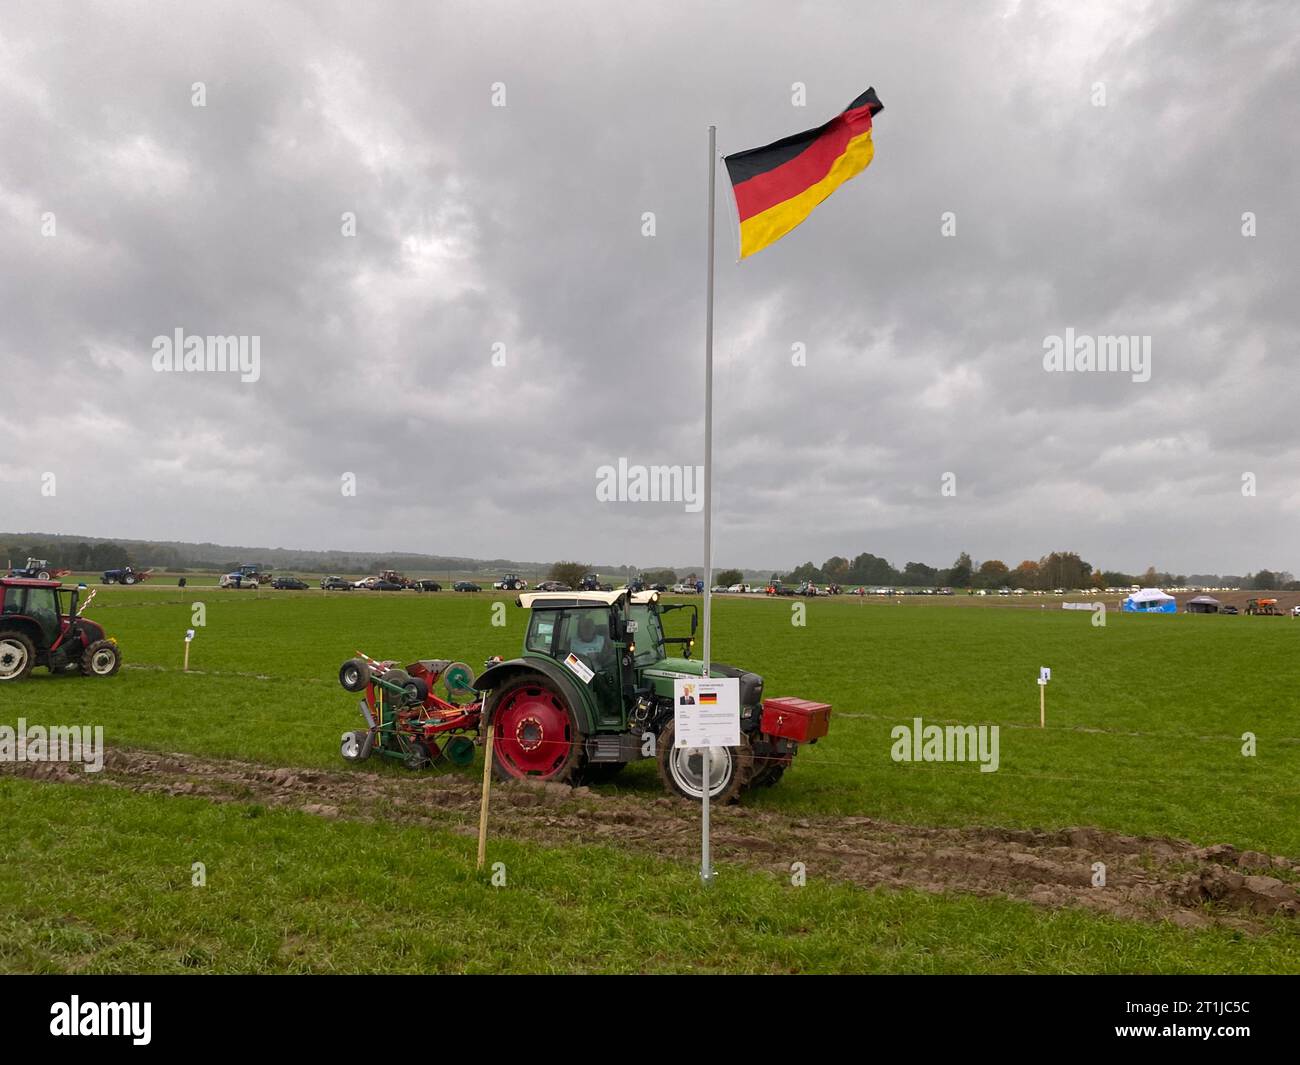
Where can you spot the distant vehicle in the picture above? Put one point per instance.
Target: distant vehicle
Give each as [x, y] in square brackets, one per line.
[1263, 607]
[550, 586]
[1228, 610]
[335, 584]
[387, 586]
[1295, 611]
[680, 588]
[292, 584]
[237, 580]
[636, 584]
[511, 582]
[659, 587]
[256, 572]
[591, 583]
[737, 588]
[465, 586]
[125, 575]
[428, 586]
[38, 569]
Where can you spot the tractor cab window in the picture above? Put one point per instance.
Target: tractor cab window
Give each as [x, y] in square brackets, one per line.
[41, 604]
[585, 633]
[541, 631]
[649, 635]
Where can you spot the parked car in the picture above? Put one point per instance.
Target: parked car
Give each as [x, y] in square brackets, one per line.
[428, 586]
[236, 580]
[387, 586]
[553, 586]
[292, 584]
[335, 584]
[1229, 610]
[465, 586]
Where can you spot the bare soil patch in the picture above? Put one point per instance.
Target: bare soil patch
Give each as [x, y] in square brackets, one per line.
[1147, 878]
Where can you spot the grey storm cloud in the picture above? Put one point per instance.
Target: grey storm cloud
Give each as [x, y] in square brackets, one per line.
[521, 226]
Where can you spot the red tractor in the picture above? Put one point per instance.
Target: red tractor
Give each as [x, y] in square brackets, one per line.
[35, 630]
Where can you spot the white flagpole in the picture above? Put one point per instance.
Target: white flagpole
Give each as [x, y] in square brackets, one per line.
[706, 871]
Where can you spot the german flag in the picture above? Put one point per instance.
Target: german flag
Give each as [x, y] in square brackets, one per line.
[708, 697]
[777, 186]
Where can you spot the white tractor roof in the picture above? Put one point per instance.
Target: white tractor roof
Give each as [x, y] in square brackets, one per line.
[528, 599]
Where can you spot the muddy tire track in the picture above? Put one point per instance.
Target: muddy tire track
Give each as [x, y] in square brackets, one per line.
[1147, 878]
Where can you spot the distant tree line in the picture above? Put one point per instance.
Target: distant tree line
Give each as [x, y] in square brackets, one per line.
[1059, 569]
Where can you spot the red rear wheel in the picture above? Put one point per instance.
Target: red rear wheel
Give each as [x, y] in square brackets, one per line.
[536, 731]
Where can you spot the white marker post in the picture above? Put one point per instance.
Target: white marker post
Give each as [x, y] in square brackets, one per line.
[1044, 675]
[189, 639]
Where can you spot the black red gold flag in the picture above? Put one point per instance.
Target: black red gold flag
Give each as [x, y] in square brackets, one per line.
[777, 186]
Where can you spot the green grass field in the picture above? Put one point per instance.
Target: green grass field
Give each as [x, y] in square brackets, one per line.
[1145, 723]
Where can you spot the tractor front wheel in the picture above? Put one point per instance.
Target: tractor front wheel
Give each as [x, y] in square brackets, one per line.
[536, 733]
[17, 656]
[102, 659]
[681, 769]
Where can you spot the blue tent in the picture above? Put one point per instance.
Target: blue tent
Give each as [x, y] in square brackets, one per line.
[1150, 601]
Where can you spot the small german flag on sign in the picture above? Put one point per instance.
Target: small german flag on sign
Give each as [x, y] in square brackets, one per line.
[708, 698]
[777, 186]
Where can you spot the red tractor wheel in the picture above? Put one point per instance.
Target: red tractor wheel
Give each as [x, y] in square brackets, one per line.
[536, 732]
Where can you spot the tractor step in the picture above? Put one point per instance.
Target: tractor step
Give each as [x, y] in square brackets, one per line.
[620, 747]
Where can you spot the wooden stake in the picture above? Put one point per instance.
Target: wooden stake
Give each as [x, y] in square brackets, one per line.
[1042, 705]
[483, 806]
[187, 657]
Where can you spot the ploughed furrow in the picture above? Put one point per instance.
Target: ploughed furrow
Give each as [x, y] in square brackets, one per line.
[1142, 878]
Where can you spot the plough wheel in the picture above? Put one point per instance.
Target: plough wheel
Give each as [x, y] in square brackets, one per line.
[536, 732]
[458, 680]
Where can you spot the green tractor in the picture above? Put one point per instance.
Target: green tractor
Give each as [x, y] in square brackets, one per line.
[593, 691]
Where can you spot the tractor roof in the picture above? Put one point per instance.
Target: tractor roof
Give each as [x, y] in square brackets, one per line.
[528, 600]
[29, 582]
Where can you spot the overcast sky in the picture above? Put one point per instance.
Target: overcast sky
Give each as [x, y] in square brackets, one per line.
[522, 225]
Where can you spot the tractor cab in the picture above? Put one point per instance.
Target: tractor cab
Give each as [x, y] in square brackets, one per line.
[586, 635]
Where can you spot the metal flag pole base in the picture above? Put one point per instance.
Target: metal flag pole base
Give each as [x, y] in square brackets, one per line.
[706, 870]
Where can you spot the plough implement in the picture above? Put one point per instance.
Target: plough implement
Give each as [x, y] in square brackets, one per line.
[405, 717]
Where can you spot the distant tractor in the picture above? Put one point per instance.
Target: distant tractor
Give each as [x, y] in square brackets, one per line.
[39, 569]
[511, 582]
[37, 630]
[254, 573]
[126, 575]
[591, 583]
[1264, 607]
